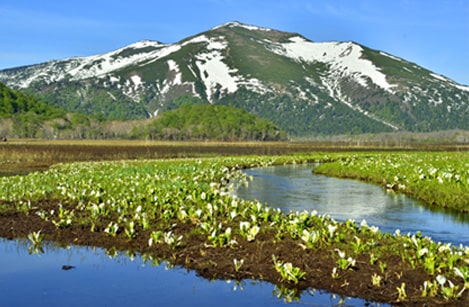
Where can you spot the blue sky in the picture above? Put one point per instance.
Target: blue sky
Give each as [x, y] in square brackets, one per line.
[430, 33]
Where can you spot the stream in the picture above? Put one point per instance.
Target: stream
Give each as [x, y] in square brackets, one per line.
[295, 187]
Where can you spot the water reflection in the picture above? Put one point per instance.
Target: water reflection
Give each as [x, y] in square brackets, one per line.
[294, 187]
[100, 277]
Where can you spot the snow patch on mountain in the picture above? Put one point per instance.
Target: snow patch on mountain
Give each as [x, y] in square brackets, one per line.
[174, 79]
[216, 75]
[80, 68]
[440, 77]
[112, 96]
[104, 64]
[241, 25]
[174, 68]
[144, 44]
[390, 56]
[114, 79]
[345, 58]
[443, 78]
[254, 85]
[136, 80]
[462, 87]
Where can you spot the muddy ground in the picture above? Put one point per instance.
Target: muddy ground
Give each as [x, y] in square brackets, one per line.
[217, 263]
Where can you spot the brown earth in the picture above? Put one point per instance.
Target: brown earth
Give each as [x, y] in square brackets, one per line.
[21, 157]
[217, 263]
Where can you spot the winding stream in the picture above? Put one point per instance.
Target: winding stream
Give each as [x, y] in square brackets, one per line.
[295, 187]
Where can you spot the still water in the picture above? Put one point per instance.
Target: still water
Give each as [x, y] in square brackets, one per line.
[294, 187]
[80, 276]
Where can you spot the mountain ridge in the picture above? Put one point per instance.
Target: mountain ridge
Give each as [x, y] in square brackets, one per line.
[324, 87]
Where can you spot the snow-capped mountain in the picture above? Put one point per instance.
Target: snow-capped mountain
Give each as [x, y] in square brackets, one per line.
[304, 87]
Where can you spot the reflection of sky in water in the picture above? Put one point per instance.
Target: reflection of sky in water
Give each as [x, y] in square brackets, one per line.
[294, 187]
[97, 280]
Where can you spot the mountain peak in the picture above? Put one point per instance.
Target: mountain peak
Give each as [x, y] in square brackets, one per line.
[235, 23]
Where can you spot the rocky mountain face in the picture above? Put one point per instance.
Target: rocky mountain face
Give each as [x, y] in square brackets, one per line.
[304, 87]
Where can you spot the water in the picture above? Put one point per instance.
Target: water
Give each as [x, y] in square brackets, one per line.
[96, 279]
[295, 187]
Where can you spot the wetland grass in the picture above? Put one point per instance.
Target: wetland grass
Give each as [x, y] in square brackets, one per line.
[439, 179]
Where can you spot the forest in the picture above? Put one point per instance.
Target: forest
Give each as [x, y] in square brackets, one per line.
[202, 121]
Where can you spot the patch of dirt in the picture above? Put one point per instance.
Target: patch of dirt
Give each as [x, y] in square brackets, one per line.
[217, 263]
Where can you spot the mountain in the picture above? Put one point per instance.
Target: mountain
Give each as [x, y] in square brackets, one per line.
[303, 87]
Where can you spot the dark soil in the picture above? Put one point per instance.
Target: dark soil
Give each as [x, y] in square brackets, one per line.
[217, 263]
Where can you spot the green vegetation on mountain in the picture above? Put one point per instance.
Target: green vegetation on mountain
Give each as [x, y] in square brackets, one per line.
[96, 101]
[15, 103]
[254, 59]
[288, 115]
[209, 122]
[25, 113]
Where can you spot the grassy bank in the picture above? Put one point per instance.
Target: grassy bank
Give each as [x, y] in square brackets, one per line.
[438, 179]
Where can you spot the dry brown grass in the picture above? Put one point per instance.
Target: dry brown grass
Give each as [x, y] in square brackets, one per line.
[20, 156]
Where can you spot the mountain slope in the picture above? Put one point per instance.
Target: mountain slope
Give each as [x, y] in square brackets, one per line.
[304, 87]
[13, 103]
